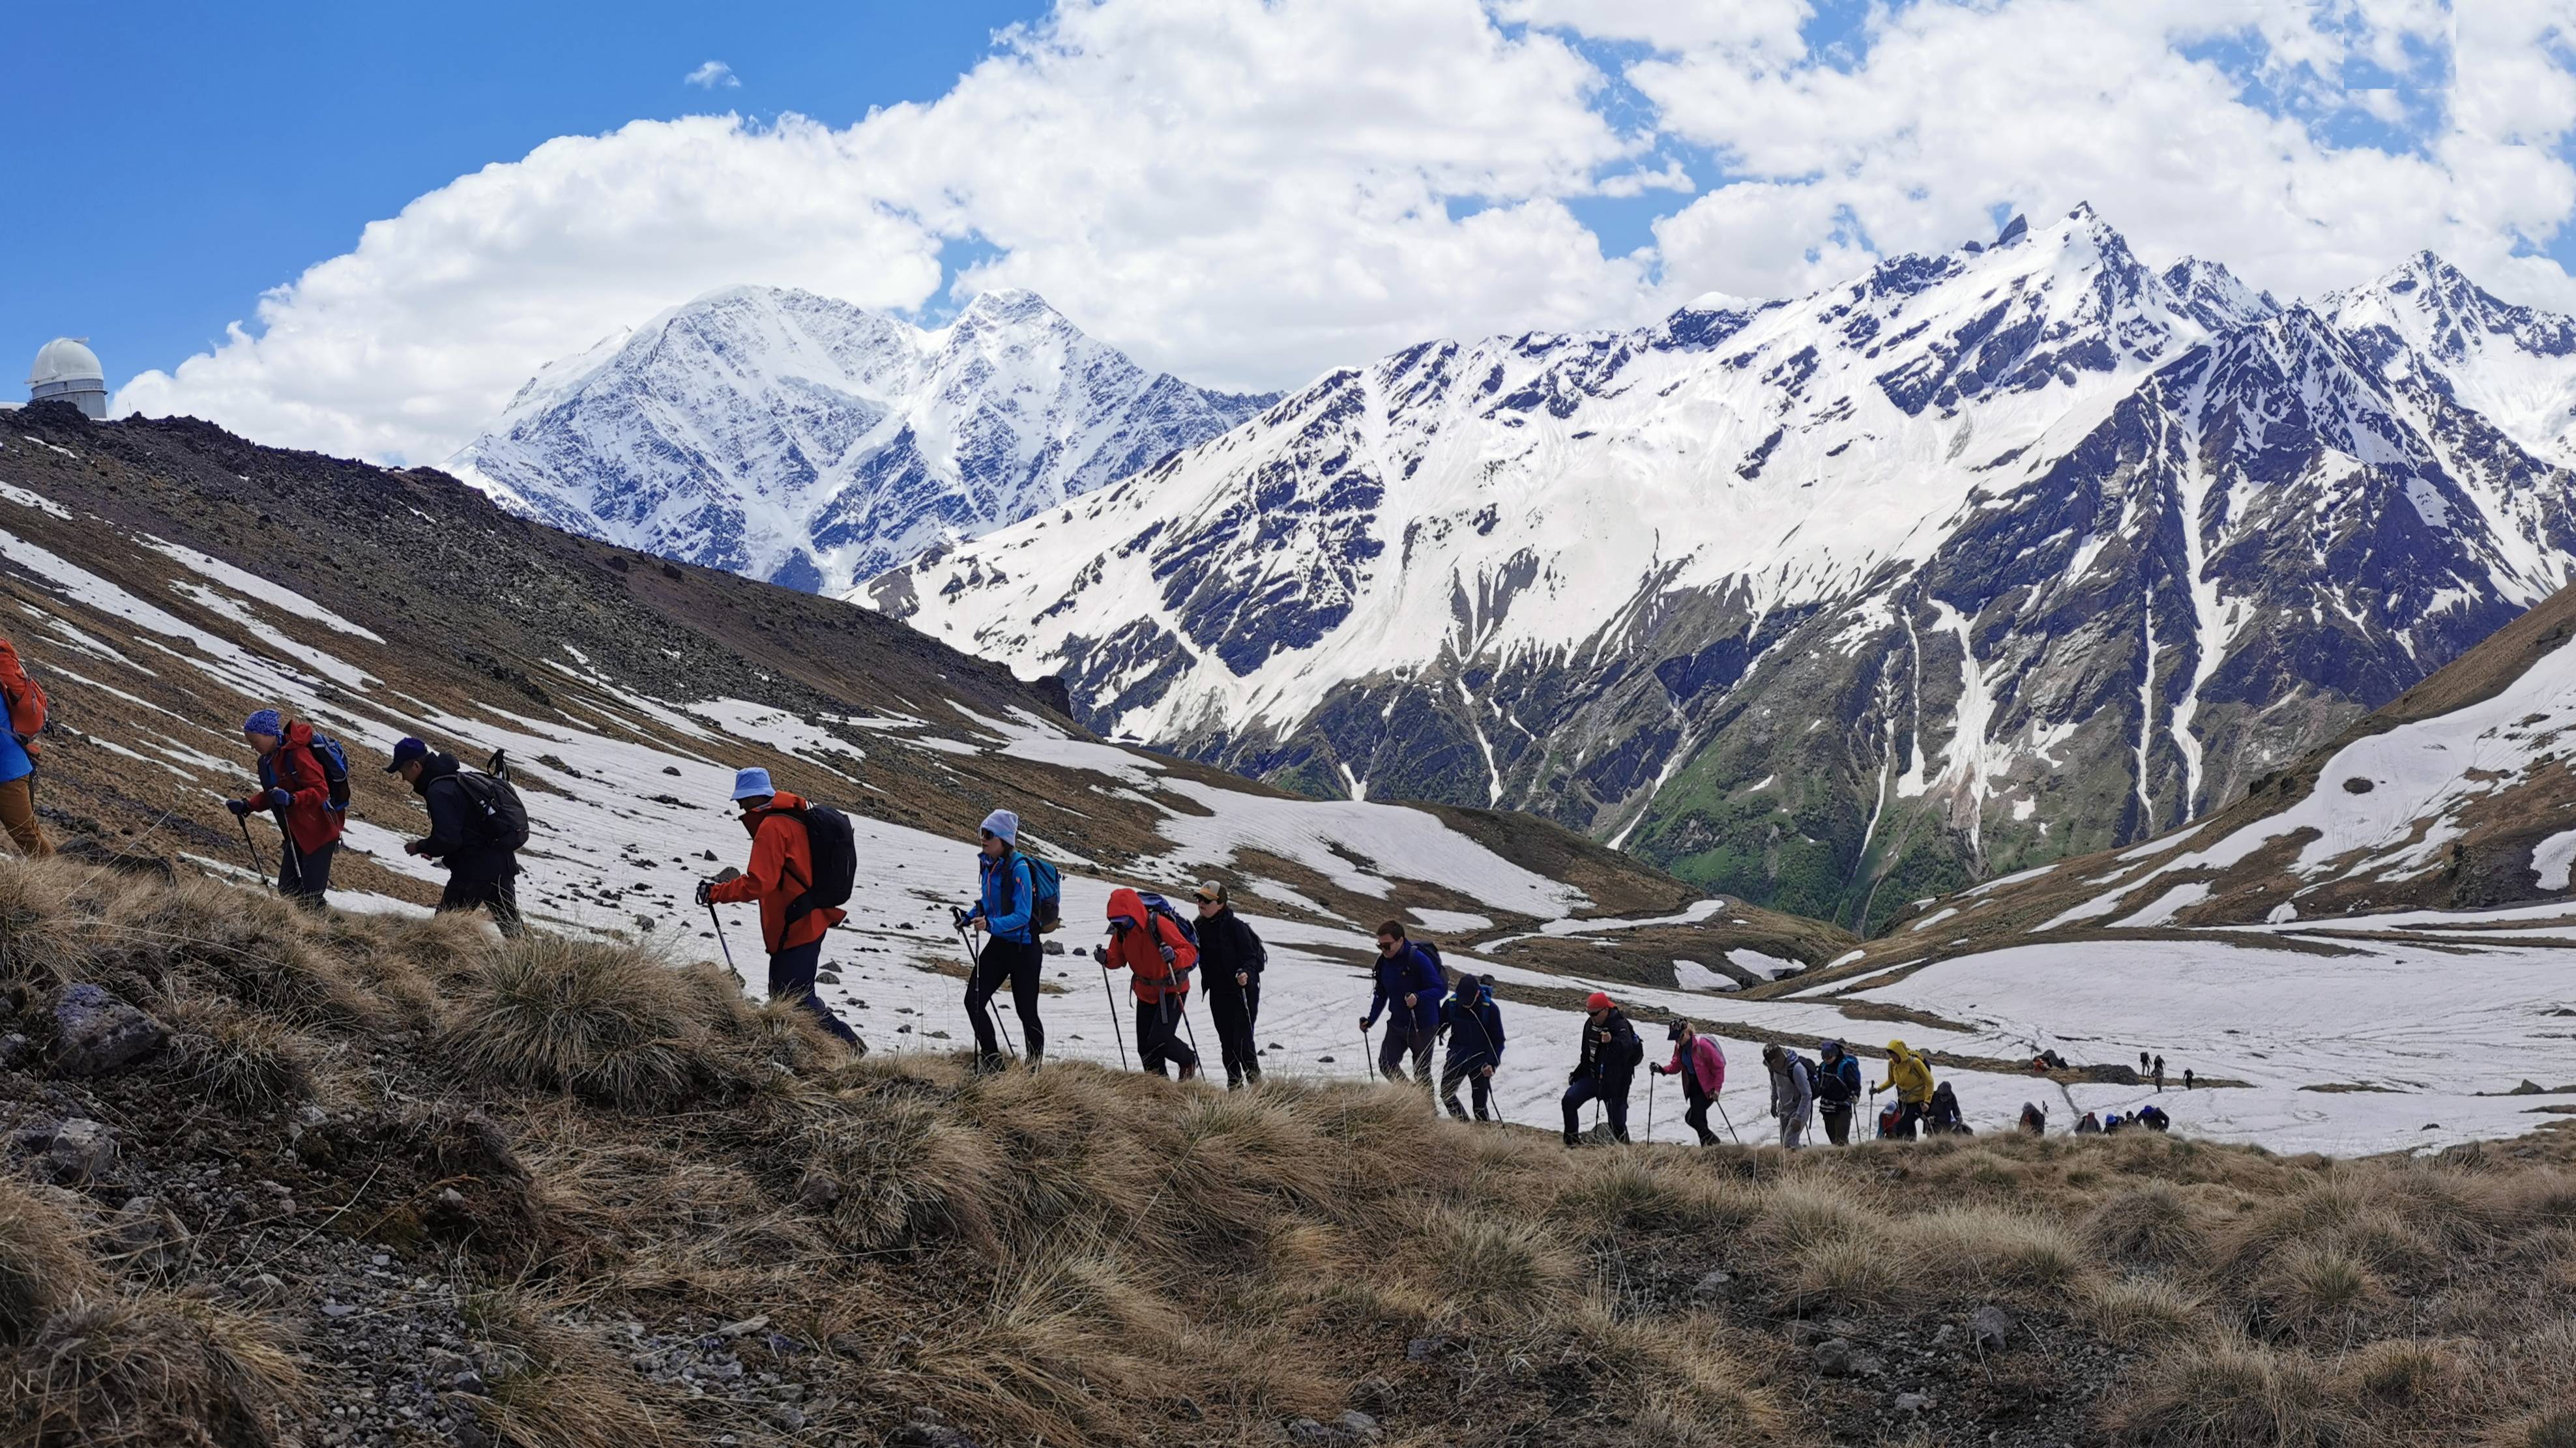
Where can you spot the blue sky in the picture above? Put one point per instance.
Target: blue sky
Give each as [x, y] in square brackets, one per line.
[198, 155]
[1243, 192]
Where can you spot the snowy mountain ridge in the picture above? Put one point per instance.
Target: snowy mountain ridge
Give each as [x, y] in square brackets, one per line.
[810, 442]
[1976, 560]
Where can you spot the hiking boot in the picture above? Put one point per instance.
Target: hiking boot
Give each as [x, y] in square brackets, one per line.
[1190, 1071]
[1572, 1140]
[1234, 1081]
[990, 1064]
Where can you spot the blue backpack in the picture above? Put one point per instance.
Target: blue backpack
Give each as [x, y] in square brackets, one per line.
[1046, 895]
[1157, 905]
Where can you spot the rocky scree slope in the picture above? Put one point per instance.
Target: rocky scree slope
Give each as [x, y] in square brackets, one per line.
[795, 438]
[370, 1181]
[1980, 560]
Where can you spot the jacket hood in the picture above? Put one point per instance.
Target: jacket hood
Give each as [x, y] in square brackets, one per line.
[777, 802]
[1127, 905]
[1897, 1048]
[433, 768]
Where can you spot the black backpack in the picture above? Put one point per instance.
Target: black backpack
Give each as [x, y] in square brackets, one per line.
[1157, 905]
[500, 820]
[836, 860]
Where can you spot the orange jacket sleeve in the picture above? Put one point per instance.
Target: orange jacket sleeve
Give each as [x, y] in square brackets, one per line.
[767, 870]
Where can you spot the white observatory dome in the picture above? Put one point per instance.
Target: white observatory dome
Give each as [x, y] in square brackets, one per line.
[68, 371]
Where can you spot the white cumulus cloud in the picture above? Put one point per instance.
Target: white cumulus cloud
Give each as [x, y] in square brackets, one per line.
[1248, 192]
[711, 74]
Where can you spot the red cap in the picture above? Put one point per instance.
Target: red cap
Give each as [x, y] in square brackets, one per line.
[1596, 1002]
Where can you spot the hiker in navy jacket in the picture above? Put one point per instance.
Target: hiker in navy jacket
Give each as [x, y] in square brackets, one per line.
[1475, 1028]
[1006, 903]
[1607, 1066]
[1410, 987]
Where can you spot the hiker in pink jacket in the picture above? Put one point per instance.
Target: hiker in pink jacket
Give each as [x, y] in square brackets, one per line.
[1702, 1067]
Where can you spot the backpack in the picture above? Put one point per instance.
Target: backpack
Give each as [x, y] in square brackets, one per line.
[835, 848]
[1833, 1086]
[25, 697]
[1046, 895]
[501, 820]
[334, 763]
[1157, 905]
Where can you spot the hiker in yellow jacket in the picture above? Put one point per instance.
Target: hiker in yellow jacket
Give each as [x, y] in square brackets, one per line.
[1911, 1075]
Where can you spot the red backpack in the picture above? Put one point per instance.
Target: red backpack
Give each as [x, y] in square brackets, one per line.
[26, 699]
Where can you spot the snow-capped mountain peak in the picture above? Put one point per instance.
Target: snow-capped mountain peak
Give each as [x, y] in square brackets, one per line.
[801, 439]
[2018, 549]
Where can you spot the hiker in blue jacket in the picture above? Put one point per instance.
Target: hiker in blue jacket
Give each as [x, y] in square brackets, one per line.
[1410, 987]
[1475, 1029]
[1006, 906]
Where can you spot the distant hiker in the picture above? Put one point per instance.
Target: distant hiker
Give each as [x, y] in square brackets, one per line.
[1230, 962]
[476, 827]
[1608, 1065]
[1837, 1090]
[1890, 1117]
[2050, 1060]
[1474, 1025]
[1006, 902]
[2153, 1118]
[1410, 987]
[2034, 1118]
[1942, 1117]
[793, 863]
[1701, 1063]
[2160, 1075]
[2142, 1062]
[19, 749]
[1150, 944]
[1793, 1093]
[2090, 1125]
[2113, 1122]
[304, 786]
[2186, 1078]
[1911, 1075]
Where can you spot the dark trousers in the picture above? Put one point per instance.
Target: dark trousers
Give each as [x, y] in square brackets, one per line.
[791, 972]
[1158, 1024]
[1908, 1117]
[1837, 1123]
[501, 897]
[1402, 1036]
[1697, 1113]
[1612, 1093]
[304, 878]
[1017, 962]
[1471, 1071]
[1236, 1010]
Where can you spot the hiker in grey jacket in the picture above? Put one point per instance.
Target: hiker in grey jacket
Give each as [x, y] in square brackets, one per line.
[1793, 1092]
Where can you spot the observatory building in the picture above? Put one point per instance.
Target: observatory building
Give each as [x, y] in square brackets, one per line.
[67, 371]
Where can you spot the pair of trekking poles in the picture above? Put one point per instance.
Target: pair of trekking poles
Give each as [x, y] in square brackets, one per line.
[251, 847]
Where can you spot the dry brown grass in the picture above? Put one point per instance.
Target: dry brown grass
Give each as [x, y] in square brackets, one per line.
[1085, 1256]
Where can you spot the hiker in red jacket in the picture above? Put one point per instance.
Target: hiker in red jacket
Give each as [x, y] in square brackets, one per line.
[295, 789]
[782, 868]
[1150, 944]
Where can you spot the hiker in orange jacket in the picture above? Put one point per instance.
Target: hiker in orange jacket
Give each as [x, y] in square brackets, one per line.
[25, 699]
[782, 869]
[296, 791]
[1151, 945]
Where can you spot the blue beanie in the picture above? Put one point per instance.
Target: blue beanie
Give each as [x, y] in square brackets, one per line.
[751, 784]
[1004, 824]
[266, 721]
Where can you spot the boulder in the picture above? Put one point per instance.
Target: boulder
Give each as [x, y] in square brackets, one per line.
[1359, 1425]
[79, 1150]
[1990, 1328]
[96, 1033]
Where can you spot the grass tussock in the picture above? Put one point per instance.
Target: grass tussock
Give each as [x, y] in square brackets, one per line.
[149, 1372]
[561, 1386]
[43, 1263]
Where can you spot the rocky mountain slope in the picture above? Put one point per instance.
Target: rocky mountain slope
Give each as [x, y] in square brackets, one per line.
[1980, 560]
[167, 578]
[795, 438]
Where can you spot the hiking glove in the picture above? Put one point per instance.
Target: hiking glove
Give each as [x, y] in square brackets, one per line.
[1167, 955]
[1101, 953]
[279, 799]
[239, 807]
[706, 892]
[957, 918]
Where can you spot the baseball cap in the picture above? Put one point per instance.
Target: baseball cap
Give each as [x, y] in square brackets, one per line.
[405, 752]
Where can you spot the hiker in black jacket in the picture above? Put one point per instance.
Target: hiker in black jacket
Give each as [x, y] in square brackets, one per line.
[482, 872]
[1475, 1029]
[1611, 1052]
[1230, 961]
[1837, 1091]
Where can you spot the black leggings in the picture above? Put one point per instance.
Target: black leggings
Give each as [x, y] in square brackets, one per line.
[1016, 961]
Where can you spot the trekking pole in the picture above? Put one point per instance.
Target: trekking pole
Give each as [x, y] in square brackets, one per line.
[1720, 1103]
[974, 968]
[1650, 1106]
[1116, 1031]
[721, 943]
[1368, 1057]
[251, 848]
